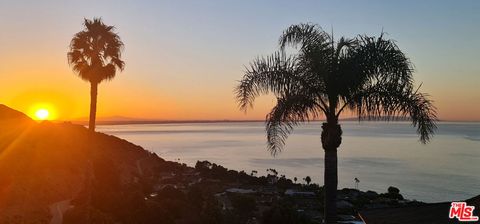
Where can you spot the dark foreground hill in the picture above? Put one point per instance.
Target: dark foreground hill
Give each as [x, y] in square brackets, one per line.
[44, 163]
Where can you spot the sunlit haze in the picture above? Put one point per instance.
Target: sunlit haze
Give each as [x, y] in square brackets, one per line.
[42, 114]
[184, 58]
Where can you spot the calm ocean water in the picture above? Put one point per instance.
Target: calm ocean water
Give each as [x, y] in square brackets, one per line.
[378, 154]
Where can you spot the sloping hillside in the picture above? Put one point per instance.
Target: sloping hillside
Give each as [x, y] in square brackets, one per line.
[43, 163]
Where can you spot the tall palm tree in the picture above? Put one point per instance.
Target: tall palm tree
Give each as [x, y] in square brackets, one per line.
[95, 55]
[367, 76]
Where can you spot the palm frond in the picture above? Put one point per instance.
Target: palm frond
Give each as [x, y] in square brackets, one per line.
[370, 62]
[304, 34]
[390, 101]
[381, 59]
[290, 111]
[275, 74]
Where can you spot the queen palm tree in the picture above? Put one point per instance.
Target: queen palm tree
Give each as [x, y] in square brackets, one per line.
[95, 55]
[366, 76]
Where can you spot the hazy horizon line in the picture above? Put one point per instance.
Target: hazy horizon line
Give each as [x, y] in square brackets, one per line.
[173, 121]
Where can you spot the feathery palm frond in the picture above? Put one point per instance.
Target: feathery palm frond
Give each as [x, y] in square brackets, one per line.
[308, 36]
[274, 74]
[290, 110]
[387, 101]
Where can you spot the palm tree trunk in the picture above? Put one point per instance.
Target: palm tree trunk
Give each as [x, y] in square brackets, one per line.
[93, 105]
[331, 139]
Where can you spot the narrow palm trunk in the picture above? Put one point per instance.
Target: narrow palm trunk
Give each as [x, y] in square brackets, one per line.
[331, 182]
[331, 139]
[93, 105]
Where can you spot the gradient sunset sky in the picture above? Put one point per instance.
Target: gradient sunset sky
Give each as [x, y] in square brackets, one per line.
[183, 58]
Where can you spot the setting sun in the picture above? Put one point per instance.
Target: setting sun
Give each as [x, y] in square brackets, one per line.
[42, 111]
[42, 114]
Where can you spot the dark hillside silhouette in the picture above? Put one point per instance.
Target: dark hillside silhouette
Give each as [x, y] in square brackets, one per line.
[44, 163]
[368, 76]
[8, 114]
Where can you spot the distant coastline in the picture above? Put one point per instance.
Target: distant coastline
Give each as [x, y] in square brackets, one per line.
[126, 122]
[140, 121]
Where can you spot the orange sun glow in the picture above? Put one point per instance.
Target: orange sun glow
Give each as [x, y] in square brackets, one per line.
[42, 111]
[42, 114]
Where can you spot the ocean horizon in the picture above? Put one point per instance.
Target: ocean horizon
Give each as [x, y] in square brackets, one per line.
[378, 154]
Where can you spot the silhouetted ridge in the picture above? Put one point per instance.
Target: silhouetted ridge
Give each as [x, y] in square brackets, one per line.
[45, 163]
[7, 113]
